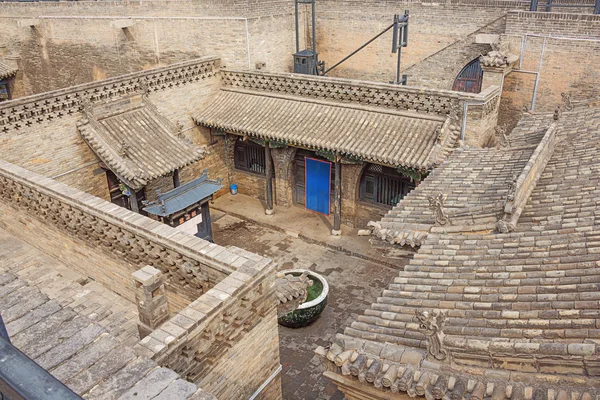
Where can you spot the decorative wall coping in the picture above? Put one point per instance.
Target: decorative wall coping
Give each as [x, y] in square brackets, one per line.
[519, 191]
[196, 264]
[39, 108]
[197, 337]
[554, 16]
[405, 98]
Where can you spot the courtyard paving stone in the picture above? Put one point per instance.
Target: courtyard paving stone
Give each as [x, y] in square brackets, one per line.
[355, 283]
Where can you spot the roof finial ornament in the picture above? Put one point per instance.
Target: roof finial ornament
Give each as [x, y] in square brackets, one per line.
[87, 108]
[432, 322]
[124, 150]
[436, 203]
[179, 129]
[143, 85]
[438, 135]
[455, 110]
[504, 139]
[557, 112]
[566, 97]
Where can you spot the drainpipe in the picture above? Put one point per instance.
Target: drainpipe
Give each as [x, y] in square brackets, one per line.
[248, 42]
[269, 176]
[537, 78]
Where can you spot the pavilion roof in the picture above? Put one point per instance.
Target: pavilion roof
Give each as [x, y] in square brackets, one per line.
[135, 141]
[375, 134]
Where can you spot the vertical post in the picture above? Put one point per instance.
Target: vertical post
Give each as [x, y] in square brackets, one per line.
[533, 5]
[337, 207]
[176, 181]
[151, 299]
[398, 77]
[133, 201]
[597, 7]
[3, 332]
[549, 6]
[297, 28]
[314, 39]
[269, 175]
[314, 28]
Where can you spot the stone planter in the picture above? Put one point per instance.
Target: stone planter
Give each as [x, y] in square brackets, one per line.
[310, 310]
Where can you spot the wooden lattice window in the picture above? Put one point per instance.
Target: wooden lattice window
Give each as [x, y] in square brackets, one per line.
[383, 185]
[249, 157]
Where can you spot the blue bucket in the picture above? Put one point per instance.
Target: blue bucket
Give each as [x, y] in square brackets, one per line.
[233, 189]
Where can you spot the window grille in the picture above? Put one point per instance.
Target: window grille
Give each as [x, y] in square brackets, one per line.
[250, 157]
[383, 186]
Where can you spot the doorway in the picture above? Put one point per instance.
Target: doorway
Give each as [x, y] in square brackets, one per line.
[318, 185]
[470, 78]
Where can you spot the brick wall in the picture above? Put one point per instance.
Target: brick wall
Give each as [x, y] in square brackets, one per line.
[106, 242]
[556, 24]
[564, 49]
[205, 8]
[64, 51]
[345, 25]
[440, 69]
[227, 340]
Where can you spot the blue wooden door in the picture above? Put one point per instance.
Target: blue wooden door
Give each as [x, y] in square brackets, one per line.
[318, 185]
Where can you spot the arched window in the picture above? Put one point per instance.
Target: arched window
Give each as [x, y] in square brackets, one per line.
[470, 78]
[384, 186]
[249, 156]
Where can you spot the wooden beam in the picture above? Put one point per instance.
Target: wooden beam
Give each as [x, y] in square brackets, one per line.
[269, 176]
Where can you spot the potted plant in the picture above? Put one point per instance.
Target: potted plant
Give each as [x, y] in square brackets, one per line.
[314, 304]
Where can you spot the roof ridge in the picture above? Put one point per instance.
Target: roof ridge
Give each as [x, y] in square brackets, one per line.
[341, 104]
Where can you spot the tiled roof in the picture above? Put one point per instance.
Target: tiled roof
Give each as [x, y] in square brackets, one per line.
[374, 134]
[474, 183]
[485, 315]
[6, 70]
[88, 351]
[184, 196]
[136, 142]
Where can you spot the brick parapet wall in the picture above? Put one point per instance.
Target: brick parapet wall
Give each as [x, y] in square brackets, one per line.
[226, 341]
[482, 118]
[553, 24]
[441, 69]
[400, 98]
[40, 108]
[128, 241]
[220, 8]
[518, 197]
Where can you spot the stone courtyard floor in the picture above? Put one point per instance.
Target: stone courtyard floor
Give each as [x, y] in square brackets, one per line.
[354, 283]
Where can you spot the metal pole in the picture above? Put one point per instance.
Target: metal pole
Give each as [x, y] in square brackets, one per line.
[176, 181]
[398, 81]
[597, 7]
[360, 48]
[337, 207]
[533, 5]
[298, 29]
[549, 6]
[269, 176]
[314, 39]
